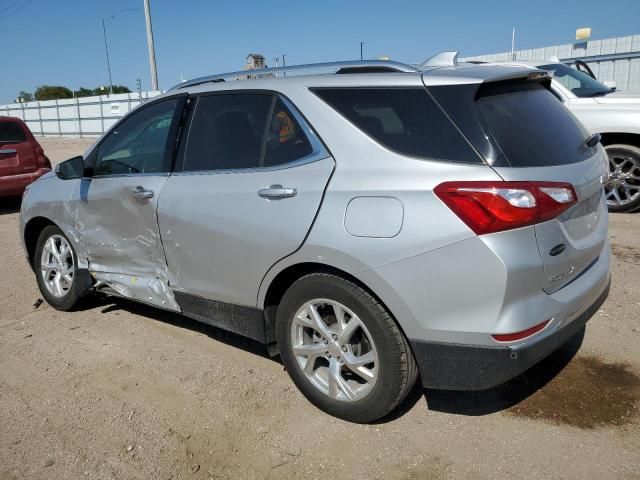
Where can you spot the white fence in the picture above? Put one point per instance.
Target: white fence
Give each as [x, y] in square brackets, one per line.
[84, 116]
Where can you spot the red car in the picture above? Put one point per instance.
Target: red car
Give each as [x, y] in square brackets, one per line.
[22, 159]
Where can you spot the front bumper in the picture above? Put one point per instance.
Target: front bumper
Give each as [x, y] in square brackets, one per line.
[451, 366]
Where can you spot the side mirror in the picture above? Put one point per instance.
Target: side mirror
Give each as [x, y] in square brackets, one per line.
[610, 83]
[70, 169]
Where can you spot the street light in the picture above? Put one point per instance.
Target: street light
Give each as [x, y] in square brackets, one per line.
[361, 50]
[105, 23]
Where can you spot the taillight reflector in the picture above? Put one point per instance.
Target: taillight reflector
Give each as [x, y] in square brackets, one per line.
[488, 207]
[512, 337]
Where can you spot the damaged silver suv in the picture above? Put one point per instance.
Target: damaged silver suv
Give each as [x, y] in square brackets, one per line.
[369, 224]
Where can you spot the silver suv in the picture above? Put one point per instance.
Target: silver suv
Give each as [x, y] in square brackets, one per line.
[368, 224]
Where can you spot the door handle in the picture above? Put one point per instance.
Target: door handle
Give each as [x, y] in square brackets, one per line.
[277, 192]
[141, 192]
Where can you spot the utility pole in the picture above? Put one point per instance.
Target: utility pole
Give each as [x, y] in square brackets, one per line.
[152, 52]
[105, 23]
[513, 44]
[284, 64]
[106, 49]
[361, 51]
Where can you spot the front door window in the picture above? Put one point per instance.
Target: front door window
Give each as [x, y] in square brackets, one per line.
[139, 144]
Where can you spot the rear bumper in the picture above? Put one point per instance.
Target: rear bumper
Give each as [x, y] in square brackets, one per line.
[451, 366]
[15, 184]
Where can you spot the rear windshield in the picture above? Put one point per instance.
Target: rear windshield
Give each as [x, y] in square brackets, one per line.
[405, 120]
[11, 132]
[515, 123]
[530, 126]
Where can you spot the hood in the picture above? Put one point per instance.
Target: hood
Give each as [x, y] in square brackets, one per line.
[624, 96]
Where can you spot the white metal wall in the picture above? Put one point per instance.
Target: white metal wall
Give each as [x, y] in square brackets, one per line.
[84, 116]
[616, 59]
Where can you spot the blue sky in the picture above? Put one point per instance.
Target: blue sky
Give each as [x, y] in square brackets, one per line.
[60, 41]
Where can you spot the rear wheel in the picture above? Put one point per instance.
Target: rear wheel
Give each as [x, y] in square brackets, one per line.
[342, 349]
[55, 266]
[622, 188]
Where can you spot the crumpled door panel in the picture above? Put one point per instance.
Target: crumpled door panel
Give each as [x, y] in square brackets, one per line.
[118, 232]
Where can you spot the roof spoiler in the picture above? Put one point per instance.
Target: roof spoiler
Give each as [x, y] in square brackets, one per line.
[526, 75]
[442, 59]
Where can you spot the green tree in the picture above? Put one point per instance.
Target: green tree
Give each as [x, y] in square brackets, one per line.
[121, 89]
[83, 92]
[52, 92]
[104, 90]
[25, 96]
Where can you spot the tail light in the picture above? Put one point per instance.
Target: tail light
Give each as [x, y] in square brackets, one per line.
[488, 207]
[43, 161]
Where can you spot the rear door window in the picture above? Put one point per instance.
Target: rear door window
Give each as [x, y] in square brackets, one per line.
[405, 120]
[12, 132]
[530, 126]
[286, 140]
[227, 132]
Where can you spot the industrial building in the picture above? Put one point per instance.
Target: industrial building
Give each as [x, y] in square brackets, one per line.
[613, 59]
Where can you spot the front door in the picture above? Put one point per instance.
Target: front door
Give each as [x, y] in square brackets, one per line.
[249, 181]
[115, 206]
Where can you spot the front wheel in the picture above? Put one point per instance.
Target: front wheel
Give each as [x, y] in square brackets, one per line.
[622, 189]
[55, 267]
[342, 349]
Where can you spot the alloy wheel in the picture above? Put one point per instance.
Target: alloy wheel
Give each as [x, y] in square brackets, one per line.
[623, 184]
[57, 266]
[334, 350]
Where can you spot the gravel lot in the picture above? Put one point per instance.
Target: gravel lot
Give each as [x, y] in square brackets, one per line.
[120, 390]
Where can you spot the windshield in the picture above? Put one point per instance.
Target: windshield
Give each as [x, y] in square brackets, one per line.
[581, 84]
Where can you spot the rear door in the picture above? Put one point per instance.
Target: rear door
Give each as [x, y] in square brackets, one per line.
[17, 155]
[249, 181]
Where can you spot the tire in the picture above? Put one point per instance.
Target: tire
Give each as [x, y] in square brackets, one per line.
[70, 292]
[360, 397]
[622, 189]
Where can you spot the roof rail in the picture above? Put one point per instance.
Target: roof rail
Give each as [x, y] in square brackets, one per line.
[355, 66]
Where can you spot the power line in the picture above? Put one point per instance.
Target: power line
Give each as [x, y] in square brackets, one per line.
[11, 4]
[16, 10]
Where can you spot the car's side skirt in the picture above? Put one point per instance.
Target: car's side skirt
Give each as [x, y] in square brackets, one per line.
[240, 319]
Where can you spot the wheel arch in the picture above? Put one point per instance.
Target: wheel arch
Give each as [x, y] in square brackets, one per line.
[613, 138]
[287, 277]
[32, 231]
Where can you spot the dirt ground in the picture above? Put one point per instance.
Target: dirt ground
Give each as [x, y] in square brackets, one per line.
[120, 390]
